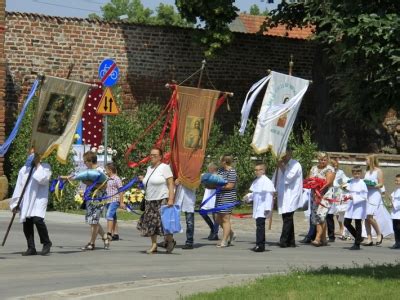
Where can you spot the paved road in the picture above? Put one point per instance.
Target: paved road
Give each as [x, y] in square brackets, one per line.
[126, 270]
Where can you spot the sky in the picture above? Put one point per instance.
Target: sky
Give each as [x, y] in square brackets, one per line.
[81, 8]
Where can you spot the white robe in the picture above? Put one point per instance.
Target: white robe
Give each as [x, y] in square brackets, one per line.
[290, 187]
[261, 194]
[357, 207]
[185, 198]
[34, 203]
[210, 203]
[396, 204]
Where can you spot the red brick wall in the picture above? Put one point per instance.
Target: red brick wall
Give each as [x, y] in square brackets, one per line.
[148, 57]
[2, 78]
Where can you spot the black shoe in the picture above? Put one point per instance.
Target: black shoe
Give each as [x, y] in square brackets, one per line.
[292, 246]
[395, 246]
[282, 245]
[258, 249]
[30, 251]
[187, 247]
[115, 237]
[162, 244]
[305, 241]
[380, 242]
[46, 248]
[213, 237]
[355, 247]
[331, 240]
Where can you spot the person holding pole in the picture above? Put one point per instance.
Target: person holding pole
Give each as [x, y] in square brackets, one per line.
[289, 187]
[33, 186]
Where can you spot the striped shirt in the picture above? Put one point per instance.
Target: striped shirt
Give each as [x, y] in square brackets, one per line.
[113, 184]
[227, 196]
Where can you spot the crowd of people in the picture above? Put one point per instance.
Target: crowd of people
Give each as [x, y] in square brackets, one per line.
[357, 199]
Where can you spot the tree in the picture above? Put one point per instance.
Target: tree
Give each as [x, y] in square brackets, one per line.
[215, 16]
[255, 11]
[137, 13]
[362, 42]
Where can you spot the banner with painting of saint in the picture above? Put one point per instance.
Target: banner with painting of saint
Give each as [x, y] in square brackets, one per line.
[196, 109]
[57, 115]
[278, 112]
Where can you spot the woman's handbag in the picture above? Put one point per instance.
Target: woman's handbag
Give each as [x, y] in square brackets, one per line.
[143, 204]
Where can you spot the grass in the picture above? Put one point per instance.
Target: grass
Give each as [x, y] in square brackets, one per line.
[367, 282]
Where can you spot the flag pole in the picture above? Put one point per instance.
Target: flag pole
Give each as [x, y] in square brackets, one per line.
[291, 64]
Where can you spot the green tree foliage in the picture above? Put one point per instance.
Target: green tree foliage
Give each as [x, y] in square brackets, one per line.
[362, 42]
[214, 16]
[137, 13]
[255, 11]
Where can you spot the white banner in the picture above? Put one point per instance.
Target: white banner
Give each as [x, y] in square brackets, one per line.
[278, 112]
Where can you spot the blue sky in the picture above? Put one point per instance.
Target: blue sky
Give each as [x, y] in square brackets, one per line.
[81, 8]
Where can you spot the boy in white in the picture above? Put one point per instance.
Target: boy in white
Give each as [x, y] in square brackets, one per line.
[357, 206]
[262, 190]
[396, 213]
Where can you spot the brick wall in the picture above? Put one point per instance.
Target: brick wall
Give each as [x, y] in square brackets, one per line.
[2, 78]
[148, 57]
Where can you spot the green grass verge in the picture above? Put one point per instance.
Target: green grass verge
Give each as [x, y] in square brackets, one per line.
[368, 282]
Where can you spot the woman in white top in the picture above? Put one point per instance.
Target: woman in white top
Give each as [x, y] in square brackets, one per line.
[159, 187]
[374, 174]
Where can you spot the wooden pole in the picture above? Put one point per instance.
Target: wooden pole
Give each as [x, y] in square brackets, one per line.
[19, 203]
[203, 64]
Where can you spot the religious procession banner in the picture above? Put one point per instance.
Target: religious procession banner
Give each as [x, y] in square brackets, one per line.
[278, 112]
[59, 111]
[196, 109]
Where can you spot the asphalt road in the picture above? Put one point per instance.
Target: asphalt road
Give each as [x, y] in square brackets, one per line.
[126, 269]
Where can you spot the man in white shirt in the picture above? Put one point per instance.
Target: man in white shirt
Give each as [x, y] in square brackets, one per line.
[289, 186]
[32, 208]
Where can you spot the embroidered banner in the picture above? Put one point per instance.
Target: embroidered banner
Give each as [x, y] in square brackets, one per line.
[196, 109]
[278, 112]
[59, 110]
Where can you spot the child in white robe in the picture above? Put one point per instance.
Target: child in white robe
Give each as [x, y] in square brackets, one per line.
[262, 190]
[357, 206]
[395, 196]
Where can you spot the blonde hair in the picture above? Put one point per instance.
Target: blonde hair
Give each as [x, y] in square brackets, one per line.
[373, 161]
[321, 155]
[212, 165]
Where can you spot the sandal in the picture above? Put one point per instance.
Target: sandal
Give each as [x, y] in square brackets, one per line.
[316, 244]
[223, 244]
[170, 246]
[106, 241]
[89, 246]
[151, 250]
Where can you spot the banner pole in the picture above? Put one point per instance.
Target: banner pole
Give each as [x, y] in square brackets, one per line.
[203, 64]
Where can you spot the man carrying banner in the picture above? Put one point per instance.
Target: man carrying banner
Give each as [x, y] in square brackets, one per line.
[289, 188]
[32, 208]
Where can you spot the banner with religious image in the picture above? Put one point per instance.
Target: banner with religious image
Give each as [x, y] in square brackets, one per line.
[278, 112]
[196, 109]
[57, 115]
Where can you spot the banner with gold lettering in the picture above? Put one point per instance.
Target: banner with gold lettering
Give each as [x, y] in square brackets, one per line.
[196, 109]
[59, 110]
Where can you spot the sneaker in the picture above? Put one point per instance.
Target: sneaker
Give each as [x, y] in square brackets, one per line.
[213, 237]
[355, 247]
[188, 247]
[46, 248]
[29, 251]
[258, 249]
[395, 246]
[115, 237]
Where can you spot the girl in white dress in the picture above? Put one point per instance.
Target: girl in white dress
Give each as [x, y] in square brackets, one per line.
[373, 174]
